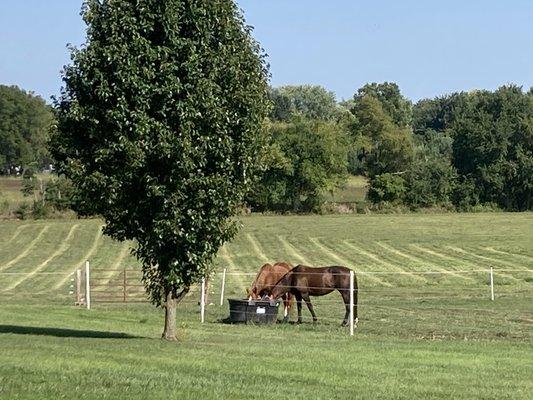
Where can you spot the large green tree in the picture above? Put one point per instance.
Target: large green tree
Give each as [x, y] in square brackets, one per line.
[25, 121]
[157, 128]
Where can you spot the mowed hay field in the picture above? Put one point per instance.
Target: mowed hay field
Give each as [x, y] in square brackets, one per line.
[428, 328]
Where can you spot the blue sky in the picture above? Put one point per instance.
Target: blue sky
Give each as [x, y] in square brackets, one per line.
[429, 47]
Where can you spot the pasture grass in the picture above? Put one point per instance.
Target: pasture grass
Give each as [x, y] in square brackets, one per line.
[11, 197]
[113, 352]
[354, 190]
[428, 328]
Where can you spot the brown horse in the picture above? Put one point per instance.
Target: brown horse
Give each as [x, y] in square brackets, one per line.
[265, 280]
[304, 281]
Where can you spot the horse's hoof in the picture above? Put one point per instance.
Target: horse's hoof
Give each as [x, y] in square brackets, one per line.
[299, 321]
[344, 323]
[286, 319]
[315, 320]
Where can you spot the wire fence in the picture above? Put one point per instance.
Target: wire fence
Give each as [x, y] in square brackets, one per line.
[472, 300]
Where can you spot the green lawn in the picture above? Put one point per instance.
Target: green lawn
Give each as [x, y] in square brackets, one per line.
[428, 328]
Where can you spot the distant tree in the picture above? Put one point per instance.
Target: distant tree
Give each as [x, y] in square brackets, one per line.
[307, 101]
[387, 188]
[438, 114]
[394, 104]
[493, 147]
[377, 142]
[306, 159]
[157, 128]
[431, 179]
[25, 121]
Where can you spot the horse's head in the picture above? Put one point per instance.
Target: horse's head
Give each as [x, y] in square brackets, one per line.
[252, 294]
[281, 287]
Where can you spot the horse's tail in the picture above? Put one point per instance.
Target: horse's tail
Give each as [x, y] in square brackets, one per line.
[355, 296]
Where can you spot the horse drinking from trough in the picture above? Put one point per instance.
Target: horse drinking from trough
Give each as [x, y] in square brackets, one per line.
[302, 282]
[266, 279]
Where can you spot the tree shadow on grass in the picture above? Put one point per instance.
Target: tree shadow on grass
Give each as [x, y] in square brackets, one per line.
[62, 332]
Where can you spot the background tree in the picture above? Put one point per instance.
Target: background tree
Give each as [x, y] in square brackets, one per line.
[431, 179]
[394, 104]
[307, 101]
[377, 143]
[306, 159]
[25, 121]
[157, 128]
[493, 147]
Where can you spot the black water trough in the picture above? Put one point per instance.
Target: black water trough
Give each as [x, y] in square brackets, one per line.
[255, 311]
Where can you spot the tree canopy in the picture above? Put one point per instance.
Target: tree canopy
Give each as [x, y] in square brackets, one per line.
[304, 101]
[394, 104]
[25, 122]
[157, 128]
[304, 160]
[381, 146]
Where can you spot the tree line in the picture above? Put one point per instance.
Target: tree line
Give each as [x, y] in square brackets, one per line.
[459, 151]
[25, 122]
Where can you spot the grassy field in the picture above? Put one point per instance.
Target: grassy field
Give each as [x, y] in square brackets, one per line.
[427, 326]
[354, 190]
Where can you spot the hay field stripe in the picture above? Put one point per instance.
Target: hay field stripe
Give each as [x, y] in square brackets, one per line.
[445, 257]
[257, 247]
[17, 233]
[493, 260]
[225, 254]
[384, 263]
[115, 270]
[87, 256]
[344, 261]
[65, 244]
[293, 251]
[27, 250]
[493, 250]
[410, 257]
[471, 263]
[490, 259]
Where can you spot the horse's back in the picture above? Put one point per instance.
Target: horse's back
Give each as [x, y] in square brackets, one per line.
[269, 275]
[334, 276]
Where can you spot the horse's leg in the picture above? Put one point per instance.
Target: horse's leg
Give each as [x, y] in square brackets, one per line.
[309, 306]
[345, 293]
[286, 304]
[299, 306]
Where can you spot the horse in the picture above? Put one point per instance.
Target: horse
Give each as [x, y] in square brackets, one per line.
[265, 280]
[303, 281]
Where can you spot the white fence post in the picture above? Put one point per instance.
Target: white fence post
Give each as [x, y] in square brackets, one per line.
[78, 287]
[223, 287]
[202, 302]
[351, 302]
[87, 285]
[491, 284]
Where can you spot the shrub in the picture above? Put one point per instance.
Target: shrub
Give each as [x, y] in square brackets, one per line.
[387, 188]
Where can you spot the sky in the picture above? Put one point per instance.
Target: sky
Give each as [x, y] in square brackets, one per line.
[428, 47]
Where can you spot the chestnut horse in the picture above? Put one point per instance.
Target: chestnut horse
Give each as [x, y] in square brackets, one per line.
[302, 282]
[265, 280]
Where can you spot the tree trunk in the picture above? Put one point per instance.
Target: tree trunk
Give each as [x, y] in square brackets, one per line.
[171, 301]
